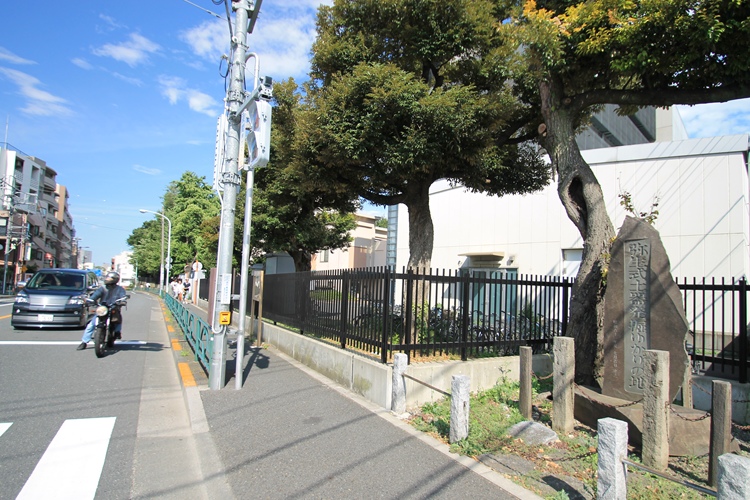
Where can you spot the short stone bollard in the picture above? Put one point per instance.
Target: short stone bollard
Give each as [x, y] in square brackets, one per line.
[613, 447]
[398, 390]
[734, 477]
[460, 385]
[524, 397]
[655, 447]
[563, 393]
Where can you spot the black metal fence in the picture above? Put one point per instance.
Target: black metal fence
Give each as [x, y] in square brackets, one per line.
[475, 313]
[454, 313]
[717, 316]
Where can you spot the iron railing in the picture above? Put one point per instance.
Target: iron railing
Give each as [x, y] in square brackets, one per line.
[452, 313]
[717, 317]
[480, 313]
[197, 331]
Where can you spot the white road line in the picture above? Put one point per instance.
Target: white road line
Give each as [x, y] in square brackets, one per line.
[4, 427]
[73, 462]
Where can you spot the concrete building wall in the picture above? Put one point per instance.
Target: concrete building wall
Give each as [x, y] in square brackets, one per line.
[702, 190]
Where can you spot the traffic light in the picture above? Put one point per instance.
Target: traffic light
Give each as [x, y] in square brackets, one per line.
[259, 133]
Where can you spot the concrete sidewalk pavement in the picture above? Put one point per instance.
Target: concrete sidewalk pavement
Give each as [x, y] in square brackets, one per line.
[292, 433]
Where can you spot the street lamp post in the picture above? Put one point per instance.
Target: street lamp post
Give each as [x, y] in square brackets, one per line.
[168, 262]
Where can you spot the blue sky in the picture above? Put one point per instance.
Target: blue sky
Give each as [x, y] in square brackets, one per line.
[121, 98]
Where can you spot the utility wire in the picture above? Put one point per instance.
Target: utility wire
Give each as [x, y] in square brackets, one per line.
[204, 10]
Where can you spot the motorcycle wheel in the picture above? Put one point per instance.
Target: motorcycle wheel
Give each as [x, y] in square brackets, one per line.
[111, 338]
[100, 341]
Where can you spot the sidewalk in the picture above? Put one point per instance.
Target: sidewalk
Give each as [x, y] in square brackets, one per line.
[292, 433]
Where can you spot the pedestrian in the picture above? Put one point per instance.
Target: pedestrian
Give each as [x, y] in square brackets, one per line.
[179, 290]
[187, 287]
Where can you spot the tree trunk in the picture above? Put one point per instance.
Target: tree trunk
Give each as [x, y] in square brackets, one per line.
[581, 195]
[421, 229]
[302, 260]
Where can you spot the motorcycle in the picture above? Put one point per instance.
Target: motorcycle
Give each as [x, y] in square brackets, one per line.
[107, 319]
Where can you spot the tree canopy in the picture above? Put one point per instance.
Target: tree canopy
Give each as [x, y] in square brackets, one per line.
[295, 211]
[190, 204]
[576, 56]
[405, 93]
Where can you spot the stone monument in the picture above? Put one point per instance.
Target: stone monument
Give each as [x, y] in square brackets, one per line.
[643, 310]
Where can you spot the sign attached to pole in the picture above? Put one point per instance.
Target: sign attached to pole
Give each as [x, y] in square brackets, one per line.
[225, 317]
[226, 289]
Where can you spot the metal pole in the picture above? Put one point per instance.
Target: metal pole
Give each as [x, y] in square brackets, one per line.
[169, 246]
[231, 182]
[244, 279]
[161, 260]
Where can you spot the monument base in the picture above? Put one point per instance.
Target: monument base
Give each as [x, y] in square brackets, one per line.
[687, 436]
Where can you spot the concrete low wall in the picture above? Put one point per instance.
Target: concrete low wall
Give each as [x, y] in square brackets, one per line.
[703, 387]
[369, 379]
[373, 380]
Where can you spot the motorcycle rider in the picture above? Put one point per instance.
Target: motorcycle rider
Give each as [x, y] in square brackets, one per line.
[107, 294]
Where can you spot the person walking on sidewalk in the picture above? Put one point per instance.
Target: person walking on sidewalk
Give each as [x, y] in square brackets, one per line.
[107, 294]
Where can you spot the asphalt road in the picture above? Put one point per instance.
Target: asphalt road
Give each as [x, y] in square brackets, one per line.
[76, 426]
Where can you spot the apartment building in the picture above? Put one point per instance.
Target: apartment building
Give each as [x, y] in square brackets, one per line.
[36, 228]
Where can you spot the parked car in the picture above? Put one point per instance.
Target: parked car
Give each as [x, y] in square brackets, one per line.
[55, 298]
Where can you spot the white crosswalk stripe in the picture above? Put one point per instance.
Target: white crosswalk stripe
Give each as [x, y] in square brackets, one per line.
[4, 427]
[73, 462]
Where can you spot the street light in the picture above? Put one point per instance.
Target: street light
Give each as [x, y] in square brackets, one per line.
[169, 249]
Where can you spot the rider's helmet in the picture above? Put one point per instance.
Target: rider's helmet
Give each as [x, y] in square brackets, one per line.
[111, 279]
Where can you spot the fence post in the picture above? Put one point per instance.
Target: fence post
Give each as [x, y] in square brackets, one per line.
[460, 385]
[465, 313]
[611, 483]
[721, 426]
[743, 331]
[734, 477]
[524, 397]
[398, 390]
[409, 311]
[387, 318]
[655, 411]
[564, 312]
[563, 393]
[344, 307]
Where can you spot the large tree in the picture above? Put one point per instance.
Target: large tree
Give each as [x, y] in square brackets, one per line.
[190, 204]
[407, 92]
[580, 55]
[293, 210]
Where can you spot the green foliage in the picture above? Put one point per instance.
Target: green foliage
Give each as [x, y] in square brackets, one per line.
[407, 92]
[294, 210]
[626, 202]
[189, 203]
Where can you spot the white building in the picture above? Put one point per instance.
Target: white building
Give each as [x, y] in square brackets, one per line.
[121, 264]
[702, 190]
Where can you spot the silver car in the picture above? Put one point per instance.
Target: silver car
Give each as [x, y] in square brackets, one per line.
[55, 298]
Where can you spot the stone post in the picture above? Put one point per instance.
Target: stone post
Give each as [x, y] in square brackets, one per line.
[655, 411]
[687, 388]
[524, 397]
[563, 394]
[460, 385]
[398, 389]
[721, 426]
[734, 477]
[611, 483]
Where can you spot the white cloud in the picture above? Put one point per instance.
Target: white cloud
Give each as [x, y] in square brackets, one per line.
[81, 63]
[7, 55]
[127, 79]
[175, 90]
[133, 52]
[710, 120]
[38, 102]
[283, 37]
[146, 170]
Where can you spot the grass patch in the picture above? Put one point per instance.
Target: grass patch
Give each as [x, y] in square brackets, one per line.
[494, 411]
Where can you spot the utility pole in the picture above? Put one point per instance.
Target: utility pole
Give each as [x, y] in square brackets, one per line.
[246, 12]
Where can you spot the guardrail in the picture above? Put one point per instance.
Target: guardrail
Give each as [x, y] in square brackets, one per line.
[197, 331]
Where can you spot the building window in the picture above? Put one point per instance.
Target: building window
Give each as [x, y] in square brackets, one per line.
[324, 255]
